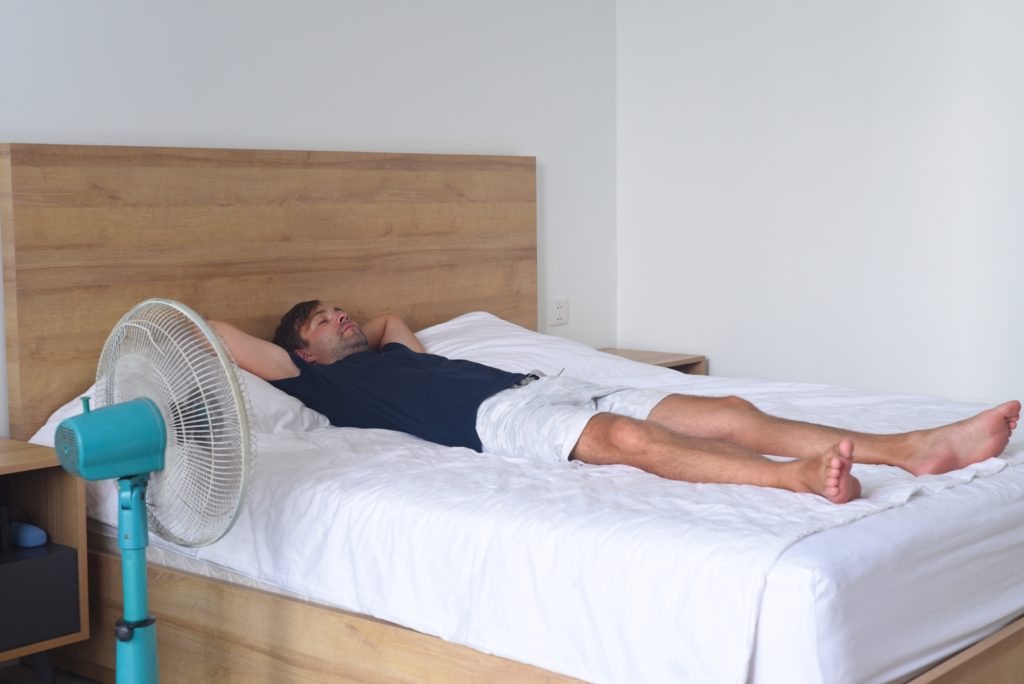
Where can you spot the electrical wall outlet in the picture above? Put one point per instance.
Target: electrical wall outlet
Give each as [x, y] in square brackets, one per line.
[558, 311]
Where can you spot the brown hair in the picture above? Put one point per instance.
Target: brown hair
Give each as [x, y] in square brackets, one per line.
[287, 333]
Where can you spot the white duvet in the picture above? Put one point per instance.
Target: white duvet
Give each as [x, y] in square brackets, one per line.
[605, 573]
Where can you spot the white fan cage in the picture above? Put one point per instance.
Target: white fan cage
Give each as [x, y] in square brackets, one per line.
[164, 351]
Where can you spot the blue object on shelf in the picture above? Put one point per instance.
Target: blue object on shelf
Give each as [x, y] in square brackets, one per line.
[26, 536]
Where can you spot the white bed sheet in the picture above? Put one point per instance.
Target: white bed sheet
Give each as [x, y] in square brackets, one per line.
[893, 593]
[589, 571]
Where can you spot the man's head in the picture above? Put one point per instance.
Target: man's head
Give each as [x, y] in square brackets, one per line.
[319, 333]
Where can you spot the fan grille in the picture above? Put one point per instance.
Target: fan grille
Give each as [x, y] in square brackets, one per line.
[164, 351]
[66, 437]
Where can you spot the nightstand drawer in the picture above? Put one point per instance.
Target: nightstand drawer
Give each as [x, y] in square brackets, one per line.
[39, 594]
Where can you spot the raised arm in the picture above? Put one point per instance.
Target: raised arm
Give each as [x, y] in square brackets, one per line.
[390, 328]
[259, 357]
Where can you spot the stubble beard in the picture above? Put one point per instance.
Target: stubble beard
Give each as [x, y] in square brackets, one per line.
[351, 345]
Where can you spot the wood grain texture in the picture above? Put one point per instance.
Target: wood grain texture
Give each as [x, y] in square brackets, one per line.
[996, 659]
[212, 631]
[694, 364]
[241, 235]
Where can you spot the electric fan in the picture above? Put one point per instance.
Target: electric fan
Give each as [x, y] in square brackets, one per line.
[171, 426]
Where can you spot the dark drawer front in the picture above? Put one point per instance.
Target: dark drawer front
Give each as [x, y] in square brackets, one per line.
[38, 594]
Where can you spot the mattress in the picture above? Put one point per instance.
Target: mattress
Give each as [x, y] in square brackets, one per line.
[891, 594]
[591, 571]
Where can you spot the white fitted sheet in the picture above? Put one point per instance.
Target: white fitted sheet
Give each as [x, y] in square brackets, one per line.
[893, 593]
[591, 571]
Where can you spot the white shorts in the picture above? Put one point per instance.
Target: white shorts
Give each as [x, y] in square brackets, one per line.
[545, 418]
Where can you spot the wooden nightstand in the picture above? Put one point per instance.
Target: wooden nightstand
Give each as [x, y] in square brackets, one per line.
[694, 364]
[35, 488]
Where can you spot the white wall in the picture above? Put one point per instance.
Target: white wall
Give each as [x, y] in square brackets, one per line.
[824, 191]
[829, 192]
[530, 77]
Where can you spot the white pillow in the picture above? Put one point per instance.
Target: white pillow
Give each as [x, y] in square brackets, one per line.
[45, 434]
[273, 410]
[270, 410]
[487, 339]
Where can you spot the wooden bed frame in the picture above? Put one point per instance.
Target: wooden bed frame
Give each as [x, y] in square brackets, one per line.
[241, 235]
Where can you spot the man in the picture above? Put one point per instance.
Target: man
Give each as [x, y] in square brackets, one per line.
[378, 375]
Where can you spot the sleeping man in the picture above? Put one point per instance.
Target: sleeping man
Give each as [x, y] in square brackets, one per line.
[378, 376]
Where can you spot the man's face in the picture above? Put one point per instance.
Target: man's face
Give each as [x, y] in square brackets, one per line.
[330, 335]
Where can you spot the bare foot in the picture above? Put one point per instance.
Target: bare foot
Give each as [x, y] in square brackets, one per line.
[960, 444]
[830, 474]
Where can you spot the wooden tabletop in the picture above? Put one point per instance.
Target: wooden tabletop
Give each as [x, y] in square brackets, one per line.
[17, 457]
[656, 358]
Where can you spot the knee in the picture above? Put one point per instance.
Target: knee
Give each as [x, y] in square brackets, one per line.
[626, 435]
[610, 438]
[737, 416]
[738, 404]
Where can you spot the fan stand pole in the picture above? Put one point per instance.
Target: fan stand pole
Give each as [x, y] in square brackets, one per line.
[136, 631]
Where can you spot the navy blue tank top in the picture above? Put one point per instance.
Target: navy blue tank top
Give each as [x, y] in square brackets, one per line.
[425, 395]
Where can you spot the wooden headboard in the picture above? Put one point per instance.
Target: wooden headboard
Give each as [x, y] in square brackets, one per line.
[241, 235]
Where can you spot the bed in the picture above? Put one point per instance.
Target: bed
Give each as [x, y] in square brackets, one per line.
[441, 564]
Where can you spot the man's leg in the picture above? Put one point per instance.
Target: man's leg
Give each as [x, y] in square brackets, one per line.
[609, 438]
[924, 451]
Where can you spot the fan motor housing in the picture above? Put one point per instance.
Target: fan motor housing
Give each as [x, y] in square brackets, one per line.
[115, 441]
